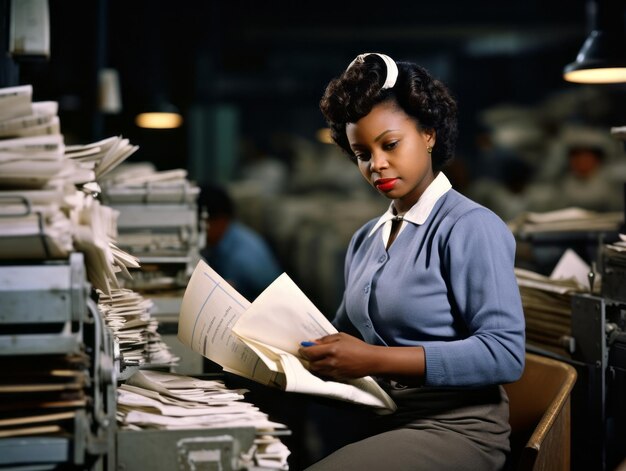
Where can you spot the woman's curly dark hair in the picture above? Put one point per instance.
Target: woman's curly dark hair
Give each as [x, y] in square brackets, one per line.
[352, 95]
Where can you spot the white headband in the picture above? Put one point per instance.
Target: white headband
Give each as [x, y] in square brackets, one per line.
[392, 68]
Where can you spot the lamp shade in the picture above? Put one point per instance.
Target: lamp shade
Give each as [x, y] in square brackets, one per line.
[160, 115]
[602, 58]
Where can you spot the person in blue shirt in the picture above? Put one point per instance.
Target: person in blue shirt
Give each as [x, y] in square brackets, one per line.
[240, 255]
[431, 306]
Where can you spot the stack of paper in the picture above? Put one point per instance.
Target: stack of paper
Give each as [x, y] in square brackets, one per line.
[51, 222]
[127, 314]
[33, 224]
[38, 119]
[30, 162]
[617, 249]
[158, 400]
[42, 213]
[547, 308]
[102, 156]
[158, 216]
[158, 222]
[566, 220]
[49, 207]
[15, 102]
[141, 183]
[95, 233]
[31, 149]
[32, 221]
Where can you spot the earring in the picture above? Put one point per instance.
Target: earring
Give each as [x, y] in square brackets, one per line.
[429, 149]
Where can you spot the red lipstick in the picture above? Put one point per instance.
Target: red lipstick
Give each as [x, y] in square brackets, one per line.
[385, 184]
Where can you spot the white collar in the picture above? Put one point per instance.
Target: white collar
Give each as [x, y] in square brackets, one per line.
[420, 211]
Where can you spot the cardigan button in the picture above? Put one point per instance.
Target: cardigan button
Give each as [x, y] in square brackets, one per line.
[382, 258]
[366, 289]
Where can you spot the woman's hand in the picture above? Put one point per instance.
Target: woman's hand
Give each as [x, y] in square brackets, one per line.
[340, 356]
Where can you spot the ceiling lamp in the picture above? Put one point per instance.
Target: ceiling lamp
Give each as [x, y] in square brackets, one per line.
[602, 58]
[161, 115]
[109, 96]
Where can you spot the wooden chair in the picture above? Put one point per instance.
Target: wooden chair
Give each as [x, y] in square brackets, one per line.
[540, 415]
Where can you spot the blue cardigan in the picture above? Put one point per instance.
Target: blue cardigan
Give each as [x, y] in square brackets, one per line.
[447, 285]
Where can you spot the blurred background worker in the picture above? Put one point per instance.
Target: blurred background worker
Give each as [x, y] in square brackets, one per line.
[240, 255]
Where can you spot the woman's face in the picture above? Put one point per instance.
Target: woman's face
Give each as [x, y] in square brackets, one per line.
[392, 153]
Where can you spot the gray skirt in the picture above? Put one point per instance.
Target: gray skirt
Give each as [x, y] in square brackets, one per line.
[433, 430]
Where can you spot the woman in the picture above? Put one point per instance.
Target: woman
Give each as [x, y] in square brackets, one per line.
[431, 306]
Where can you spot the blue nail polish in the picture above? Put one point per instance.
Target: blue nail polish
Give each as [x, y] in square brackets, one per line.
[307, 344]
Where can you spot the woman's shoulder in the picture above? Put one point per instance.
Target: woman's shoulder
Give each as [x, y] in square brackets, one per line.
[457, 202]
[458, 206]
[462, 215]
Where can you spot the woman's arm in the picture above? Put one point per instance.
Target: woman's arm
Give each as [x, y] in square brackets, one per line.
[479, 258]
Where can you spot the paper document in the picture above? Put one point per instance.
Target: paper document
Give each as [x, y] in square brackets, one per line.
[260, 340]
[162, 400]
[569, 266]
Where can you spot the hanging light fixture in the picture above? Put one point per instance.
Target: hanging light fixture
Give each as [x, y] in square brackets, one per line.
[109, 95]
[602, 58]
[161, 114]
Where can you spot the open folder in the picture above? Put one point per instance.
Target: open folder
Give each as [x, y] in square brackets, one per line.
[260, 340]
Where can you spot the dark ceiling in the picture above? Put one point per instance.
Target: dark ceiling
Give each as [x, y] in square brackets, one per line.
[272, 59]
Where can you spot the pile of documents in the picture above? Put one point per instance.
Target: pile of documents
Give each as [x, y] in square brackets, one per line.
[94, 234]
[127, 314]
[32, 221]
[617, 250]
[102, 156]
[547, 302]
[32, 149]
[566, 220]
[47, 203]
[158, 223]
[158, 215]
[159, 400]
[49, 208]
[142, 183]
